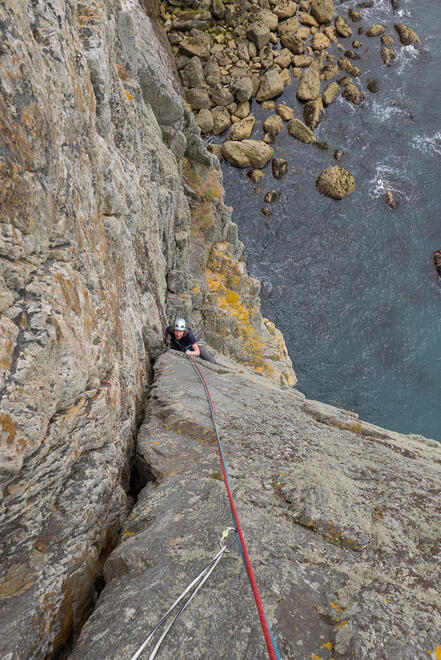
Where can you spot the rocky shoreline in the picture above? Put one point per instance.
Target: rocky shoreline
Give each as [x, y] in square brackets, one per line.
[230, 54]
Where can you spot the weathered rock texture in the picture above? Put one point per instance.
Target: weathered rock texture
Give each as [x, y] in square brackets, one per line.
[97, 211]
[341, 519]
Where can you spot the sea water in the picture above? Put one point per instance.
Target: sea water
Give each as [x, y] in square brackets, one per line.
[351, 283]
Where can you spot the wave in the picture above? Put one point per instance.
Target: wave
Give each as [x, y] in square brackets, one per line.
[391, 178]
[404, 57]
[427, 144]
[388, 109]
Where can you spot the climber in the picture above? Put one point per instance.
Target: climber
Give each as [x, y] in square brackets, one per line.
[181, 338]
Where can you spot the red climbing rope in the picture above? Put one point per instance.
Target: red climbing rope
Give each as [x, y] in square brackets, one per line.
[270, 643]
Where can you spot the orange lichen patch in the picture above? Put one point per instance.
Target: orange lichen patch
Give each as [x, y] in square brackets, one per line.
[19, 579]
[328, 645]
[438, 653]
[88, 14]
[9, 427]
[336, 607]
[127, 533]
[129, 96]
[343, 623]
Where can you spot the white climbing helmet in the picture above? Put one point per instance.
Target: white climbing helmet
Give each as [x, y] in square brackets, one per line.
[180, 324]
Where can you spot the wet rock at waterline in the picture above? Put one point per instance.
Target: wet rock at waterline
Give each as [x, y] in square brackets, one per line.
[353, 93]
[407, 35]
[437, 261]
[256, 175]
[309, 85]
[273, 125]
[248, 153]
[284, 111]
[390, 200]
[300, 131]
[330, 93]
[271, 85]
[271, 196]
[373, 85]
[313, 113]
[376, 30]
[242, 129]
[335, 182]
[279, 167]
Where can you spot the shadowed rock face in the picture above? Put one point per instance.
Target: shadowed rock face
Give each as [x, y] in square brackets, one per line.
[341, 520]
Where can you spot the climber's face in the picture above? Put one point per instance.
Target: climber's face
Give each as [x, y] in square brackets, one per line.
[179, 334]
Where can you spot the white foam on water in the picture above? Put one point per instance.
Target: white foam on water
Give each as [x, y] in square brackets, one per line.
[404, 58]
[389, 177]
[388, 109]
[428, 144]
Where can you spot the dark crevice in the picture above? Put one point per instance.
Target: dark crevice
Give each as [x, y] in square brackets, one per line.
[135, 476]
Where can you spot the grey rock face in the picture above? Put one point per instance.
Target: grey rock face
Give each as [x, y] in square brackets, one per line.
[341, 520]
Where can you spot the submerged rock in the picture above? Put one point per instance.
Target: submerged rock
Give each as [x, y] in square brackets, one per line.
[335, 182]
[373, 85]
[437, 261]
[248, 153]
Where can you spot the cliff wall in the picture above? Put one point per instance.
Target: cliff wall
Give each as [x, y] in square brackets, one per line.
[112, 220]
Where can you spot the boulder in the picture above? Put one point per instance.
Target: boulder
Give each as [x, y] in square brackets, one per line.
[221, 119]
[266, 55]
[330, 71]
[285, 9]
[284, 59]
[335, 182]
[355, 15]
[300, 131]
[319, 41]
[406, 35]
[376, 30]
[293, 42]
[351, 54]
[353, 93]
[346, 65]
[390, 200]
[331, 33]
[284, 111]
[313, 113]
[342, 27]
[242, 129]
[256, 175]
[273, 125]
[259, 34]
[221, 96]
[204, 120]
[387, 40]
[193, 74]
[197, 98]
[218, 9]
[373, 85]
[271, 196]
[308, 19]
[279, 167]
[190, 19]
[271, 85]
[242, 110]
[322, 10]
[212, 73]
[437, 261]
[338, 153]
[387, 55]
[265, 210]
[286, 77]
[267, 17]
[194, 46]
[357, 44]
[302, 60]
[291, 25]
[309, 85]
[248, 153]
[330, 93]
[304, 32]
[242, 88]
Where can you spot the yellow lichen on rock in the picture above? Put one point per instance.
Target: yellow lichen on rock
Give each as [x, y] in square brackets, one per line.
[233, 297]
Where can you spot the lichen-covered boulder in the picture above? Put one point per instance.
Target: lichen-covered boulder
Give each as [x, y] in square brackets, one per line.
[353, 93]
[335, 182]
[346, 65]
[259, 34]
[342, 27]
[293, 42]
[376, 30]
[248, 153]
[313, 113]
[279, 167]
[407, 35]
